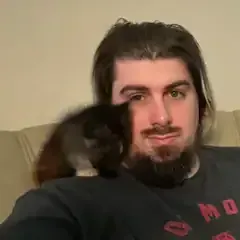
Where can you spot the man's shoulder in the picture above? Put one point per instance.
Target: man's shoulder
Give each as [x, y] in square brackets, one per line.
[83, 186]
[69, 199]
[72, 190]
[53, 199]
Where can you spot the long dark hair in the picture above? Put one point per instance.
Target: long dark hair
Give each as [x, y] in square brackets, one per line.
[150, 40]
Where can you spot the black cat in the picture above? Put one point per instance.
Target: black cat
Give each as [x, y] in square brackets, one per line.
[97, 137]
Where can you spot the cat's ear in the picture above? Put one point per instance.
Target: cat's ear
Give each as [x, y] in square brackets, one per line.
[90, 143]
[121, 147]
[126, 115]
[102, 131]
[124, 107]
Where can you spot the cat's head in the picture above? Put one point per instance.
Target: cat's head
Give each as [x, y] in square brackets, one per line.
[99, 135]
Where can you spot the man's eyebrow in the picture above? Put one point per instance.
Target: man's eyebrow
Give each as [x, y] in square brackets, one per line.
[142, 88]
[178, 83]
[136, 88]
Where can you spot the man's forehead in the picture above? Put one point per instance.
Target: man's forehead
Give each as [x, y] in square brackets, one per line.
[151, 74]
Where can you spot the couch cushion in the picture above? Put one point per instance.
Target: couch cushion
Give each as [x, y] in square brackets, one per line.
[226, 130]
[32, 139]
[14, 167]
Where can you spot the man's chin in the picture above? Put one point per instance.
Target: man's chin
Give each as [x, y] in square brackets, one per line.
[166, 168]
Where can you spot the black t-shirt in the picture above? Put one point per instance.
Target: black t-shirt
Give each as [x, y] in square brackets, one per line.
[94, 208]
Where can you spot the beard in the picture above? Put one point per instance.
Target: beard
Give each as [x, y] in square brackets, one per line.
[165, 166]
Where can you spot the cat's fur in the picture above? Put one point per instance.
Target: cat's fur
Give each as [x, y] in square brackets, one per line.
[96, 137]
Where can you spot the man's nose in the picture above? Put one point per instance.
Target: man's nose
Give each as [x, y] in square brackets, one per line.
[159, 113]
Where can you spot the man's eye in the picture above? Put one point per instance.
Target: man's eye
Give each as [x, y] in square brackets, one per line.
[177, 94]
[137, 97]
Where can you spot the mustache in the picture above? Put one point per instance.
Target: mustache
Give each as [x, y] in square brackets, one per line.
[159, 130]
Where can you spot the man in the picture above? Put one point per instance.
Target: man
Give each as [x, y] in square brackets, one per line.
[172, 187]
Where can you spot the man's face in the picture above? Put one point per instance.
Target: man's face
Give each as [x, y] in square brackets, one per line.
[164, 106]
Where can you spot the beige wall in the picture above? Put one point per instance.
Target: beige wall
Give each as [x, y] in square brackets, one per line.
[46, 49]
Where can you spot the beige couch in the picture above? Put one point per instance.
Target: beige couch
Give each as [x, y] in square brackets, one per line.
[20, 148]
